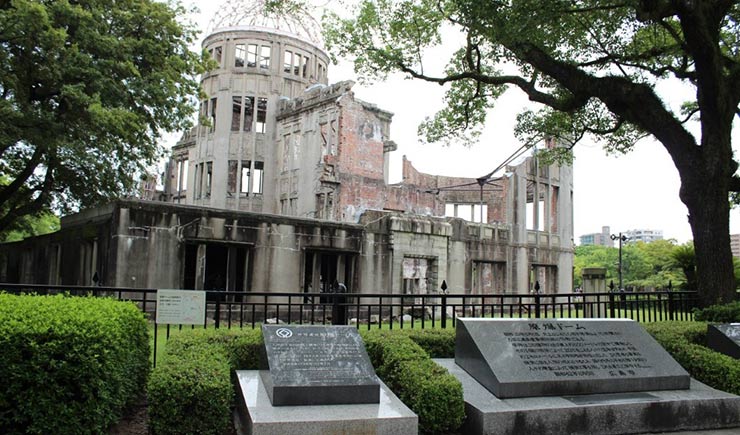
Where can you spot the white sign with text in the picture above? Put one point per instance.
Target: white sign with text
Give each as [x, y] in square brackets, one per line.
[181, 307]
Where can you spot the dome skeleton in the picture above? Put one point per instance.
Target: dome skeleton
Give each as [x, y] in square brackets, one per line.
[294, 17]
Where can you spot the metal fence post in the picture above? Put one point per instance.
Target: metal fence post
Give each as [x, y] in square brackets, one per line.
[671, 315]
[443, 287]
[218, 310]
[612, 312]
[444, 311]
[537, 313]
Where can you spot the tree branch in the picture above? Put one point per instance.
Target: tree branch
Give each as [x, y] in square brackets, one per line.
[8, 191]
[634, 102]
[562, 104]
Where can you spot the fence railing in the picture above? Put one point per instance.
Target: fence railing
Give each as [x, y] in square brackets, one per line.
[383, 310]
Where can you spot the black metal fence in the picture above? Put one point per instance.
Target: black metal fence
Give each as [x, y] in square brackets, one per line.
[383, 310]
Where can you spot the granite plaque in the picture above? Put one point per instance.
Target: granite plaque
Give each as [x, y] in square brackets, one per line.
[557, 357]
[725, 339]
[317, 365]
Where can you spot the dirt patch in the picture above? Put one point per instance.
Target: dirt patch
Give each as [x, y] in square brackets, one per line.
[135, 421]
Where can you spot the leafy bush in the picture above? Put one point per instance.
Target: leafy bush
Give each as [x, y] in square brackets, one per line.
[190, 390]
[438, 343]
[69, 365]
[684, 341]
[725, 313]
[426, 388]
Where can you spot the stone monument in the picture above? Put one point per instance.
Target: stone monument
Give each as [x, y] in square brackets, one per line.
[725, 339]
[317, 380]
[537, 357]
[577, 377]
[317, 365]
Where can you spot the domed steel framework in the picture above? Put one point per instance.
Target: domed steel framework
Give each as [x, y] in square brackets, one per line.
[293, 16]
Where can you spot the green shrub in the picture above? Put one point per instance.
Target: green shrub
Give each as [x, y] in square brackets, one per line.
[684, 341]
[425, 387]
[190, 390]
[69, 365]
[725, 313]
[438, 343]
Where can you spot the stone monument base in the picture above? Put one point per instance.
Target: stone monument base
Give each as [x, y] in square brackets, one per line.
[697, 408]
[257, 416]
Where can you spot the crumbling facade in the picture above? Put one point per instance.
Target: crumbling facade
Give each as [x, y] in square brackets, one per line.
[283, 186]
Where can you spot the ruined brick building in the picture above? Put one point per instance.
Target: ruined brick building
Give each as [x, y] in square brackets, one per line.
[283, 186]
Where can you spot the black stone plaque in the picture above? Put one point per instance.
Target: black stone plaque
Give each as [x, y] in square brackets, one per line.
[725, 339]
[556, 357]
[317, 365]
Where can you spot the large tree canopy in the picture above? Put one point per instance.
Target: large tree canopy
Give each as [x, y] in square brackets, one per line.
[86, 89]
[594, 66]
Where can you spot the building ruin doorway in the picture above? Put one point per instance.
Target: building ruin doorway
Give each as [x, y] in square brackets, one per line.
[323, 269]
[217, 267]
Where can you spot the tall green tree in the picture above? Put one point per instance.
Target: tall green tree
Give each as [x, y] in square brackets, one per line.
[86, 89]
[594, 67]
[684, 258]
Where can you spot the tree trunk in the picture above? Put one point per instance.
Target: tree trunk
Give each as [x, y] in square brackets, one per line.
[709, 217]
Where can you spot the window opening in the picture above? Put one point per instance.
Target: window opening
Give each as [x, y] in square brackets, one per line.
[240, 54]
[252, 55]
[231, 179]
[288, 62]
[248, 113]
[305, 67]
[209, 178]
[182, 176]
[218, 55]
[198, 180]
[265, 57]
[213, 114]
[261, 115]
[244, 180]
[257, 178]
[297, 64]
[236, 112]
[469, 212]
[416, 277]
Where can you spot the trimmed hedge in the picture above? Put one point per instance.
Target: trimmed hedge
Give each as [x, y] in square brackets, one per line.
[725, 313]
[190, 390]
[684, 341]
[69, 365]
[438, 343]
[425, 387]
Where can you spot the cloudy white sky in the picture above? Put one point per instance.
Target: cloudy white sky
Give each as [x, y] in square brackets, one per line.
[637, 190]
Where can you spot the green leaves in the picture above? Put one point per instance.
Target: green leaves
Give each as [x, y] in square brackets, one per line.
[69, 365]
[88, 83]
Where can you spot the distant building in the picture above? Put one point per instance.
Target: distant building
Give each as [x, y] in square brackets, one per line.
[599, 239]
[646, 236]
[735, 244]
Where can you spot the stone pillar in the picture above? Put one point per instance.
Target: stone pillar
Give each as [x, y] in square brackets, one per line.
[594, 281]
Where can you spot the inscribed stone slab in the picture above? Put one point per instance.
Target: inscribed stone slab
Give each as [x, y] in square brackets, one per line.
[555, 357]
[725, 339]
[317, 365]
[257, 416]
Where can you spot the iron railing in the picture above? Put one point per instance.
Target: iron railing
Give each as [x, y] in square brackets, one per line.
[384, 310]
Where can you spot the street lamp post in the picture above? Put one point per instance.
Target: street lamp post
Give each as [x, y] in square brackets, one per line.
[621, 238]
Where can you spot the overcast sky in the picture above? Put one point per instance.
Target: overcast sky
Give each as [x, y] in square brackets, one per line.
[634, 191]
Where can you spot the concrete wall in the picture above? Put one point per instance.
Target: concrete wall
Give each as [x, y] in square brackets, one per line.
[158, 245]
